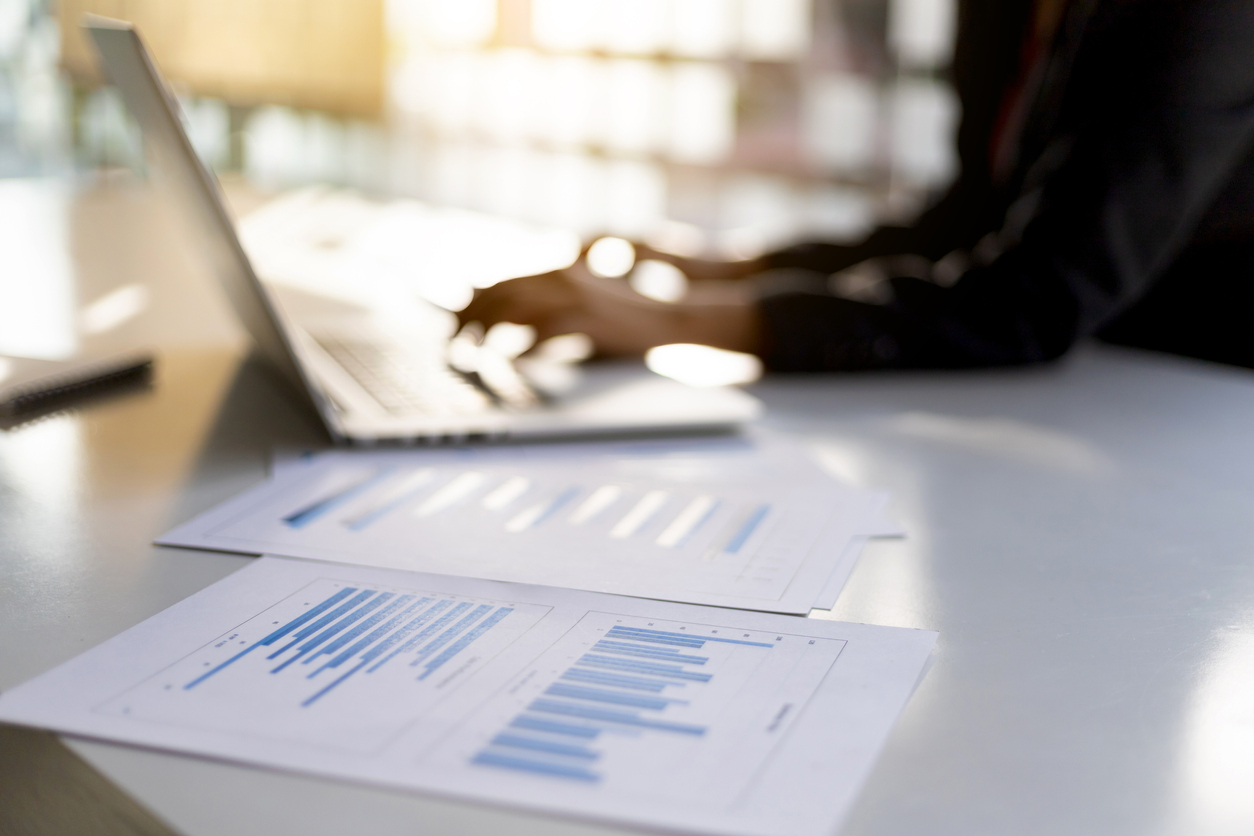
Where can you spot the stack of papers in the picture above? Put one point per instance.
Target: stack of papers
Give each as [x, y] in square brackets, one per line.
[745, 522]
[449, 631]
[650, 713]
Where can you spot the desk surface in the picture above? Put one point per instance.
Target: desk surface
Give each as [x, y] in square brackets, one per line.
[1081, 534]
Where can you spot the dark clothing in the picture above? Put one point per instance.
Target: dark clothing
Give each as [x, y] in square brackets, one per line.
[1128, 214]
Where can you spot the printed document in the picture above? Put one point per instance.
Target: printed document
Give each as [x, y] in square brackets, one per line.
[746, 523]
[649, 713]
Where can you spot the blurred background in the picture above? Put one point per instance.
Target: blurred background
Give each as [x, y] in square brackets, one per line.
[715, 127]
[725, 124]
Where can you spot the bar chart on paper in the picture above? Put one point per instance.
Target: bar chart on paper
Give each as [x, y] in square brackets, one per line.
[660, 715]
[618, 696]
[592, 528]
[654, 516]
[337, 665]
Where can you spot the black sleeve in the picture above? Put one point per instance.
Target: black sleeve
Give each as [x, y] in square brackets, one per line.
[1157, 114]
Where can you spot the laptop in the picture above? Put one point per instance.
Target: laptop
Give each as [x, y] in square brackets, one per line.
[370, 377]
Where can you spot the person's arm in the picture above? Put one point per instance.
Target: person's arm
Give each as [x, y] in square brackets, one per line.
[1160, 110]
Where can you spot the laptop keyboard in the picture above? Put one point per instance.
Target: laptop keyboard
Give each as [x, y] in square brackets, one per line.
[403, 382]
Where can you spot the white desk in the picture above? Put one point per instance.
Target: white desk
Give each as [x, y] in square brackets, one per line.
[1082, 536]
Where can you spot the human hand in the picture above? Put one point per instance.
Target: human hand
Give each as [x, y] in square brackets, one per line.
[620, 322]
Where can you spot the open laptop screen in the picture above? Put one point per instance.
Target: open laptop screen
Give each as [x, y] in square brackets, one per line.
[129, 66]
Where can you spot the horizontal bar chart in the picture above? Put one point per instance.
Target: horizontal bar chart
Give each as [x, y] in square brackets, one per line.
[635, 692]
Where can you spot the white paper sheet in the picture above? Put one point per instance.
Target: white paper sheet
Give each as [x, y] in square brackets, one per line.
[885, 526]
[826, 598]
[650, 713]
[740, 522]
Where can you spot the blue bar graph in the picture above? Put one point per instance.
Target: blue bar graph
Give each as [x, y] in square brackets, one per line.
[648, 640]
[426, 633]
[526, 721]
[616, 696]
[464, 642]
[588, 694]
[347, 606]
[668, 671]
[606, 715]
[490, 758]
[519, 742]
[279, 633]
[630, 645]
[637, 634]
[640, 652]
[377, 634]
[374, 636]
[449, 634]
[402, 634]
[330, 632]
[360, 522]
[304, 516]
[746, 529]
[556, 505]
[636, 683]
[350, 635]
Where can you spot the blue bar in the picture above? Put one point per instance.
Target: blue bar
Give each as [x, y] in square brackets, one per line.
[347, 621]
[738, 539]
[685, 643]
[376, 635]
[668, 671]
[620, 680]
[556, 505]
[524, 721]
[352, 634]
[661, 633]
[279, 633]
[601, 647]
[627, 645]
[705, 518]
[539, 767]
[465, 641]
[397, 602]
[335, 682]
[387, 508]
[426, 631]
[637, 634]
[401, 634]
[518, 742]
[306, 515]
[605, 715]
[447, 636]
[324, 621]
[313, 613]
[583, 692]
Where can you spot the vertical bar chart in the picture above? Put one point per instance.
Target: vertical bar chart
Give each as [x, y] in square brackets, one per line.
[606, 529]
[711, 524]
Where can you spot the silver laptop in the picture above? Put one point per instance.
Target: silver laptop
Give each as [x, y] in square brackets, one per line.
[369, 378]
